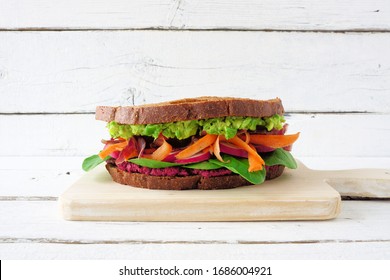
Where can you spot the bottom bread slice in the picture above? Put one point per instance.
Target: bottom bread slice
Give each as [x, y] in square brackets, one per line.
[184, 183]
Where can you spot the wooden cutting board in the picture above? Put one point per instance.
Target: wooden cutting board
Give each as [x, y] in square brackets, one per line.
[300, 194]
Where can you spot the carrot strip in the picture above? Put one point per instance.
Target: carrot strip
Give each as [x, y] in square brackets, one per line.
[274, 141]
[198, 146]
[216, 150]
[247, 137]
[162, 152]
[111, 148]
[209, 149]
[255, 161]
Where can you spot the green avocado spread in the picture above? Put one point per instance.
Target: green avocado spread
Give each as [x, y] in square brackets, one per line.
[227, 126]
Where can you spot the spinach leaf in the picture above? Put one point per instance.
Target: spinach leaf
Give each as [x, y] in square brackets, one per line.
[92, 161]
[151, 163]
[280, 156]
[240, 166]
[204, 165]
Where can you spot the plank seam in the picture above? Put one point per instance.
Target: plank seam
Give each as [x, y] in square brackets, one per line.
[28, 198]
[163, 29]
[6, 240]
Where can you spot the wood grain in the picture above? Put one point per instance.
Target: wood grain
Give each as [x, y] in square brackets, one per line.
[291, 251]
[67, 72]
[192, 14]
[364, 221]
[292, 196]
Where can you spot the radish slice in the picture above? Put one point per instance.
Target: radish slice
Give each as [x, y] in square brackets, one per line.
[129, 151]
[263, 149]
[198, 157]
[231, 149]
[141, 144]
[288, 148]
[172, 156]
[115, 154]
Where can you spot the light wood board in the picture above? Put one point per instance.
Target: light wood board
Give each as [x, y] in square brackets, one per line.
[293, 196]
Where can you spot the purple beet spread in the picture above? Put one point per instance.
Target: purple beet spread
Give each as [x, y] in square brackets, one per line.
[179, 171]
[171, 171]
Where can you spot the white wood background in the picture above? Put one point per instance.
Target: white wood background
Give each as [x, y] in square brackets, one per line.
[328, 60]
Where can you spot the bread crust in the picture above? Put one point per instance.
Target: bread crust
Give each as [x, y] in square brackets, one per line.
[190, 109]
[184, 183]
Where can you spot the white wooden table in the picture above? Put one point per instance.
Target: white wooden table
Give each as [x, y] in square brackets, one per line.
[32, 228]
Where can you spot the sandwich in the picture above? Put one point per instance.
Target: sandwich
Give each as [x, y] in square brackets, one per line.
[195, 143]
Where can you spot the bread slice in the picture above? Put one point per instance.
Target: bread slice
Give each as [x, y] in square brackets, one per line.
[190, 109]
[185, 183]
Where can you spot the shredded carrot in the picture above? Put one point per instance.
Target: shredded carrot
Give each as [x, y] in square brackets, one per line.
[255, 161]
[274, 141]
[162, 152]
[111, 148]
[217, 151]
[247, 137]
[198, 146]
[209, 149]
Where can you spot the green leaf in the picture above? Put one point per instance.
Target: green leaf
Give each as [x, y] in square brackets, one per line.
[92, 161]
[240, 166]
[280, 156]
[204, 165]
[151, 163]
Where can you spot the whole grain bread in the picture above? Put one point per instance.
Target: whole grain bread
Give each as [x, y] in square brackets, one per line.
[184, 183]
[190, 109]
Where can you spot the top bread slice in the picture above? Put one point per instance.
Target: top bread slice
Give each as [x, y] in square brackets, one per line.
[204, 107]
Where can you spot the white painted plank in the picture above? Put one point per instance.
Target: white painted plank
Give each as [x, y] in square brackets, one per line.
[362, 135]
[316, 251]
[40, 222]
[75, 71]
[192, 14]
[53, 135]
[44, 178]
[37, 178]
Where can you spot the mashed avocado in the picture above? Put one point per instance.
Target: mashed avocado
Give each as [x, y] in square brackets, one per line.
[227, 126]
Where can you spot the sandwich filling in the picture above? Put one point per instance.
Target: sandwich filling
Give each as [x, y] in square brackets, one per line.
[246, 146]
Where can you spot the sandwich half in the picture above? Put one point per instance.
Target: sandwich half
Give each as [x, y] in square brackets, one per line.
[195, 143]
